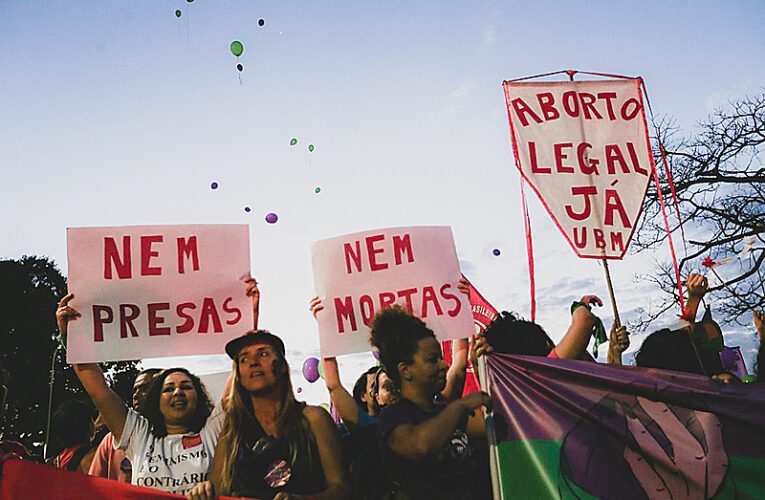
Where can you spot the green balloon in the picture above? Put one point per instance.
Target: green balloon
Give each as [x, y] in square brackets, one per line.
[178, 13]
[293, 141]
[189, 1]
[317, 190]
[237, 48]
[321, 370]
[310, 148]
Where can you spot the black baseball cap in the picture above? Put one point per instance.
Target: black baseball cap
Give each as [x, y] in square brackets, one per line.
[252, 337]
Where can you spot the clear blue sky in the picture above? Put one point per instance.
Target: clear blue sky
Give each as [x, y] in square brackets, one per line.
[117, 113]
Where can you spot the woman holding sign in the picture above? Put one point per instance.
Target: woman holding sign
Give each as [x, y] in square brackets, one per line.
[426, 444]
[171, 447]
[272, 446]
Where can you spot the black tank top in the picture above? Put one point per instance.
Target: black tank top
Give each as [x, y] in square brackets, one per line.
[263, 467]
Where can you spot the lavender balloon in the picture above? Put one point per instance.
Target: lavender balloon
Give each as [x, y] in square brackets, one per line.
[311, 369]
[271, 218]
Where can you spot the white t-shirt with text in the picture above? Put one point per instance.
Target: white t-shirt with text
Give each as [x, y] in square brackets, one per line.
[174, 463]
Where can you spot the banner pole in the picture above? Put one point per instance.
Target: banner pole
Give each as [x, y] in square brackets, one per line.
[613, 360]
[491, 436]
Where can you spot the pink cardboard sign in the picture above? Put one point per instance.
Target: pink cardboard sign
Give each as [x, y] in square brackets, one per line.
[583, 147]
[359, 274]
[155, 291]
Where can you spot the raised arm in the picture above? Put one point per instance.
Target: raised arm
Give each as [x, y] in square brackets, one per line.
[574, 343]
[455, 377]
[253, 292]
[342, 400]
[429, 438]
[330, 454]
[107, 401]
[696, 285]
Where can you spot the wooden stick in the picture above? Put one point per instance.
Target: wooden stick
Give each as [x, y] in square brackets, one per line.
[491, 437]
[613, 359]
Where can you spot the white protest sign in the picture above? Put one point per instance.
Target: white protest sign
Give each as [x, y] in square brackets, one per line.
[359, 274]
[583, 147]
[153, 291]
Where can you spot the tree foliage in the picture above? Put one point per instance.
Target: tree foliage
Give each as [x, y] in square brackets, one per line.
[31, 288]
[719, 180]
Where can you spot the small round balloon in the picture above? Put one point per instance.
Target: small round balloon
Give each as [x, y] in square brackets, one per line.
[239, 67]
[299, 390]
[237, 48]
[317, 190]
[311, 369]
[189, 1]
[261, 22]
[496, 252]
[178, 13]
[271, 218]
[321, 370]
[214, 185]
[247, 209]
[293, 141]
[325, 406]
[310, 148]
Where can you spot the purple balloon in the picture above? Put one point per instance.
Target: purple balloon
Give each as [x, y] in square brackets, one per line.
[271, 218]
[496, 252]
[376, 354]
[311, 369]
[247, 209]
[214, 185]
[300, 389]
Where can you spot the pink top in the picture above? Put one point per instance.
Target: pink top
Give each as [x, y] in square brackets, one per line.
[110, 462]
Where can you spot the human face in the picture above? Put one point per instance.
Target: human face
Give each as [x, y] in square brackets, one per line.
[386, 390]
[428, 370]
[260, 367]
[178, 399]
[141, 388]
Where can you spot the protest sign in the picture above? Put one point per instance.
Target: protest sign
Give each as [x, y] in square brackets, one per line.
[359, 274]
[583, 146]
[153, 291]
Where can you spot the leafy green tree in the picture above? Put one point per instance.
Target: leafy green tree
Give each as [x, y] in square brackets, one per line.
[29, 291]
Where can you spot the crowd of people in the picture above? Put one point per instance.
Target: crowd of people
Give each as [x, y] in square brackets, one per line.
[405, 431]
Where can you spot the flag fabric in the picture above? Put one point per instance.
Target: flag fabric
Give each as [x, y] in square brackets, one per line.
[24, 479]
[574, 429]
[483, 314]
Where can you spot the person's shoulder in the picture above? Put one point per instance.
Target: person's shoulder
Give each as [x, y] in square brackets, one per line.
[315, 413]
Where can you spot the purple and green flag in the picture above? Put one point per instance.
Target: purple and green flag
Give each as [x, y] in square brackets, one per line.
[575, 429]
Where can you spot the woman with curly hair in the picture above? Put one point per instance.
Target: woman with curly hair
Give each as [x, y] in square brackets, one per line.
[171, 447]
[426, 443]
[272, 445]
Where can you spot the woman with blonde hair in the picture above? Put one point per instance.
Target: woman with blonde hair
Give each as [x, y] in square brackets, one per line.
[272, 446]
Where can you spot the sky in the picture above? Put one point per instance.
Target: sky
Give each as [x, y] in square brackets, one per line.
[120, 113]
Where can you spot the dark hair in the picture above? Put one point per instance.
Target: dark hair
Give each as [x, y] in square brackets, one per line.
[149, 371]
[360, 387]
[396, 334]
[151, 406]
[509, 334]
[72, 423]
[674, 350]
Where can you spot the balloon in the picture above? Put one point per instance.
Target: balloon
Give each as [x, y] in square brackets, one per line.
[271, 218]
[310, 148]
[261, 22]
[237, 48]
[317, 190]
[239, 67]
[247, 209]
[189, 1]
[300, 389]
[293, 141]
[496, 252]
[214, 185]
[311, 369]
[178, 13]
[321, 370]
[376, 354]
[325, 406]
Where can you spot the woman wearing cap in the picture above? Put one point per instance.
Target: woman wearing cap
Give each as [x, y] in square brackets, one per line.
[273, 446]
